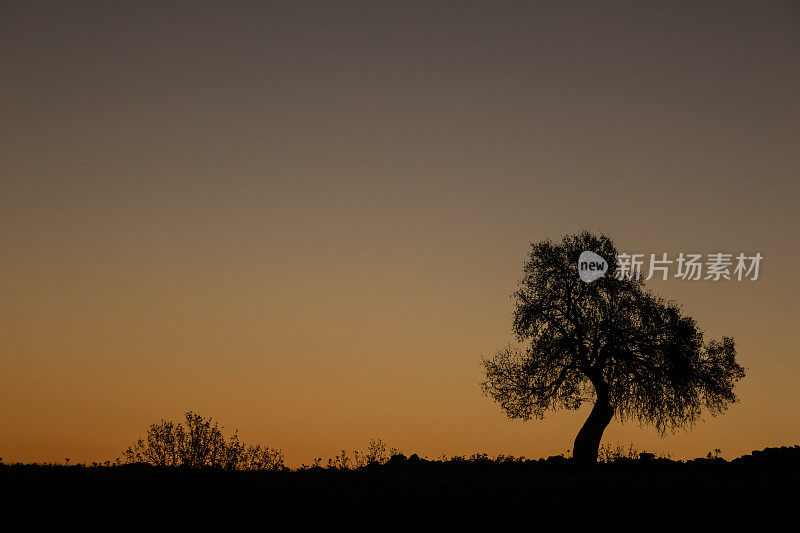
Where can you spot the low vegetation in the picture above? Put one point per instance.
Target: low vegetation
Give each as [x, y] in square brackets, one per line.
[199, 443]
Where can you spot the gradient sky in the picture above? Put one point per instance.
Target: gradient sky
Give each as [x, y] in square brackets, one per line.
[306, 219]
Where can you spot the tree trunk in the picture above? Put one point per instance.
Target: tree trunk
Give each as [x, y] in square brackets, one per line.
[587, 442]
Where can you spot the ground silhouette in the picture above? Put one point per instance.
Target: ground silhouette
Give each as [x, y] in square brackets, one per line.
[759, 489]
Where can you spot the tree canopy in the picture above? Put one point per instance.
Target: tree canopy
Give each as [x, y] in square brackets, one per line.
[611, 342]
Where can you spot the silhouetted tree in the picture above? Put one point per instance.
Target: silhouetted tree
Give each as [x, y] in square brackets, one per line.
[609, 341]
[200, 444]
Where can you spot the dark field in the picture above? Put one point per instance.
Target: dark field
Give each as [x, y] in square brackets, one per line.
[756, 490]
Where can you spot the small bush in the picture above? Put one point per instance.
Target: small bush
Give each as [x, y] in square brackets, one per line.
[375, 453]
[200, 444]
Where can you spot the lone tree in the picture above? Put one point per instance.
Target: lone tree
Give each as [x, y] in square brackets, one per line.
[609, 341]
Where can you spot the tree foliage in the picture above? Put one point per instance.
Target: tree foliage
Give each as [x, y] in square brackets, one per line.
[610, 338]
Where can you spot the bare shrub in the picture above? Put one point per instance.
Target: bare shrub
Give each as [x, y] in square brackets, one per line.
[198, 442]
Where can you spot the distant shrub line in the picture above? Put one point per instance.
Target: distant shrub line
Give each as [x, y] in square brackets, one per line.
[198, 443]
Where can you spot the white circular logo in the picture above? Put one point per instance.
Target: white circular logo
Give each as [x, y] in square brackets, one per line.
[591, 266]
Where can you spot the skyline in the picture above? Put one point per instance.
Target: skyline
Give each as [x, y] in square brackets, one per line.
[306, 221]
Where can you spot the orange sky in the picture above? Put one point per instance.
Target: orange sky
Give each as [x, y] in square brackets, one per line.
[307, 221]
